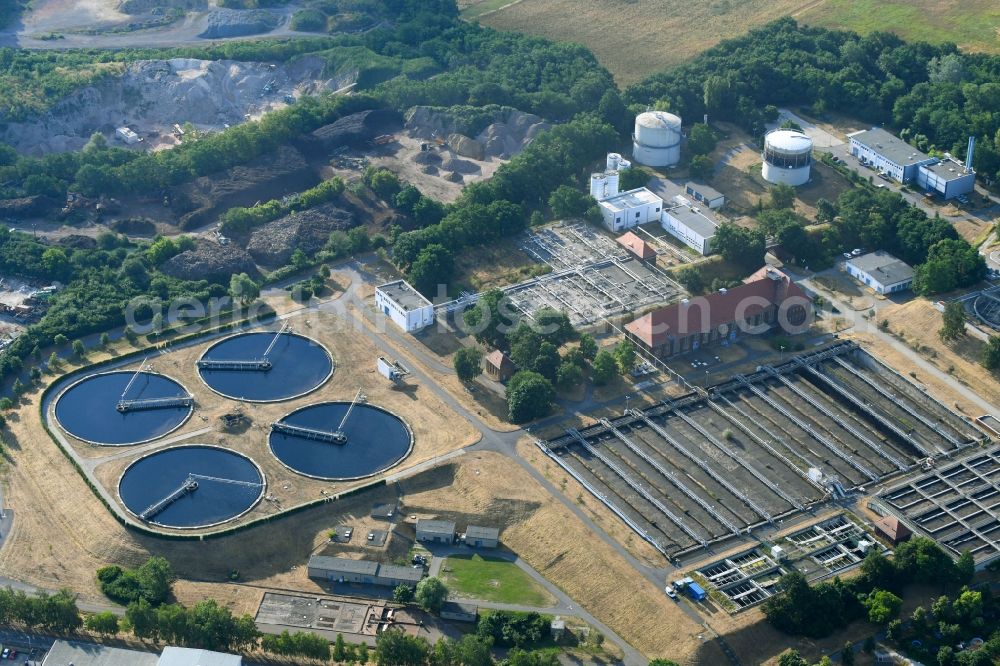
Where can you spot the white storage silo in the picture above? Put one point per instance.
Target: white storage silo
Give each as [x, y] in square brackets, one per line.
[657, 139]
[614, 160]
[787, 157]
[603, 185]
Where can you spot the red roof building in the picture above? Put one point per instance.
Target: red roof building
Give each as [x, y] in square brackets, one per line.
[640, 248]
[765, 299]
[892, 529]
[499, 366]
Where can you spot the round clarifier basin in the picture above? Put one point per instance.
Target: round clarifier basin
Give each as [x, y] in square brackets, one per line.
[98, 409]
[376, 439]
[296, 365]
[191, 486]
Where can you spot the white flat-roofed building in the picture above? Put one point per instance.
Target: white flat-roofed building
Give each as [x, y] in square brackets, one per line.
[949, 178]
[694, 226]
[881, 271]
[478, 536]
[181, 656]
[406, 306]
[888, 154]
[436, 531]
[127, 135]
[629, 209]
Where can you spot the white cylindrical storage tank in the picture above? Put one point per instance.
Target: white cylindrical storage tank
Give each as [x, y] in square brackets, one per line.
[612, 177]
[657, 139]
[599, 186]
[614, 161]
[787, 157]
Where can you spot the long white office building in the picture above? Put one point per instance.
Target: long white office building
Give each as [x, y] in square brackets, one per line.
[693, 225]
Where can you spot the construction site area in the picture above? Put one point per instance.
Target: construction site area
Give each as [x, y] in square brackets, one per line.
[712, 465]
[956, 503]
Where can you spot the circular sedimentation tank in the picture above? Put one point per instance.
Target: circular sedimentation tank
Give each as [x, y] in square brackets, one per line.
[294, 366]
[371, 441]
[787, 157]
[191, 486]
[123, 407]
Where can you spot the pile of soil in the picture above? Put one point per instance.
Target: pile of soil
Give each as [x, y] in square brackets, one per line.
[134, 226]
[508, 133]
[143, 6]
[223, 23]
[210, 261]
[461, 166]
[23, 207]
[308, 230]
[455, 177]
[268, 177]
[355, 130]
[78, 242]
[427, 157]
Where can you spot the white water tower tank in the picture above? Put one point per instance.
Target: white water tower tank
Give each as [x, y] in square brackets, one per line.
[657, 139]
[614, 159]
[603, 185]
[787, 157]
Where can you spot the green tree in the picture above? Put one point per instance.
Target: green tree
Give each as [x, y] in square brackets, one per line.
[490, 319]
[588, 346]
[569, 202]
[743, 247]
[60, 339]
[691, 278]
[663, 662]
[990, 358]
[882, 606]
[432, 268]
[847, 654]
[633, 177]
[604, 367]
[701, 139]
[105, 340]
[402, 594]
[702, 167]
[625, 357]
[569, 376]
[546, 361]
[54, 361]
[468, 363]
[243, 289]
[791, 657]
[529, 395]
[431, 593]
[781, 196]
[338, 648]
[554, 325]
[105, 623]
[953, 325]
[394, 648]
[965, 568]
[78, 349]
[950, 264]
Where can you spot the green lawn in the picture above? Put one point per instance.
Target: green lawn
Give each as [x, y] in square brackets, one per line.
[492, 579]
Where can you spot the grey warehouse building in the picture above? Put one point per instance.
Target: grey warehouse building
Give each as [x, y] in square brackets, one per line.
[482, 537]
[904, 163]
[73, 653]
[888, 153]
[436, 531]
[343, 570]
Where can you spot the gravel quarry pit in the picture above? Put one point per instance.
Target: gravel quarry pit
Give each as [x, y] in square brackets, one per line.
[150, 96]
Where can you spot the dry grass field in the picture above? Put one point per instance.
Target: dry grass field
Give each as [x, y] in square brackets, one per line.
[636, 38]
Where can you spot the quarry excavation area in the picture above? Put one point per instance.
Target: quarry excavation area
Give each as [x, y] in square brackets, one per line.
[713, 465]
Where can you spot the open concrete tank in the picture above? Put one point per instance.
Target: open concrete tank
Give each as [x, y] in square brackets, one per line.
[787, 157]
[657, 139]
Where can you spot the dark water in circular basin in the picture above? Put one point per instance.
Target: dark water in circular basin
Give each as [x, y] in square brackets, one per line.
[298, 365]
[154, 477]
[376, 440]
[87, 409]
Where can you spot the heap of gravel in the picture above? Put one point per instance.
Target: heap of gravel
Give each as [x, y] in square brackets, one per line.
[427, 157]
[455, 177]
[308, 230]
[210, 261]
[239, 23]
[460, 166]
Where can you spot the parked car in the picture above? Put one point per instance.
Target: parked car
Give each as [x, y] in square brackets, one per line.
[5, 654]
[371, 536]
[856, 252]
[847, 255]
[669, 589]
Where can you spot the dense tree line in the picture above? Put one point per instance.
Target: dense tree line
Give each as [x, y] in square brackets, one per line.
[936, 96]
[818, 610]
